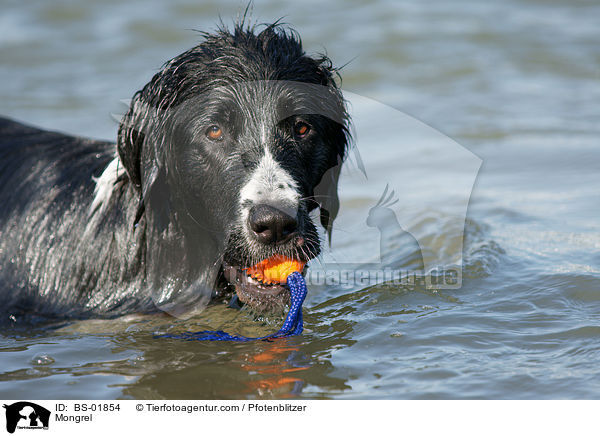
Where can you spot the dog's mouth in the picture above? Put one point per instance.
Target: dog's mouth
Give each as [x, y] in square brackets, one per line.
[263, 286]
[257, 273]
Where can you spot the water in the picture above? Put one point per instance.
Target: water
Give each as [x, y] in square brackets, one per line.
[517, 83]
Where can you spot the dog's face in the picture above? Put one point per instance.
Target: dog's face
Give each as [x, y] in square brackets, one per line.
[249, 135]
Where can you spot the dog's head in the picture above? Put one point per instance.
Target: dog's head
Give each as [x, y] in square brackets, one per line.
[231, 146]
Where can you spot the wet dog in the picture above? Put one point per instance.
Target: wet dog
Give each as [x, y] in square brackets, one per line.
[220, 162]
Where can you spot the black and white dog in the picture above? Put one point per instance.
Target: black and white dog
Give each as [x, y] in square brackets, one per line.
[218, 164]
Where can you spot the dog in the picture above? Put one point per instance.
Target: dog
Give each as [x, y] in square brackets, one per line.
[224, 159]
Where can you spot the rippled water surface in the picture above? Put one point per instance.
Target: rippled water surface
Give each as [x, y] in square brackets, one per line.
[515, 83]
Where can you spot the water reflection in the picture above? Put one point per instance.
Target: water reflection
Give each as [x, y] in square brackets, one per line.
[278, 365]
[285, 368]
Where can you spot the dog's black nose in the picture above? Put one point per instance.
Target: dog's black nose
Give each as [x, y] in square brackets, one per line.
[270, 225]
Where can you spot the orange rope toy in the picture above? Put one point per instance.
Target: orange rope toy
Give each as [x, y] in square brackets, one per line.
[275, 269]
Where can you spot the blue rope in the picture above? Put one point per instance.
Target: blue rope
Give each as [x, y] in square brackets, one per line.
[293, 324]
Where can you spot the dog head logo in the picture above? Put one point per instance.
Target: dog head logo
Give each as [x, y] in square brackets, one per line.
[26, 415]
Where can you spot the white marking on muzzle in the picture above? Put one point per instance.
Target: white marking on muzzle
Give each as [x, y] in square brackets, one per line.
[270, 184]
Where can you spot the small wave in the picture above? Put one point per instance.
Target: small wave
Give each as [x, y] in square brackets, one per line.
[482, 254]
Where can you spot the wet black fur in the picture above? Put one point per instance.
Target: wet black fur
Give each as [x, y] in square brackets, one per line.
[171, 220]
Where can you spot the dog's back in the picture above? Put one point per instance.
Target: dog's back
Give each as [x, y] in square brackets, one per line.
[35, 163]
[46, 190]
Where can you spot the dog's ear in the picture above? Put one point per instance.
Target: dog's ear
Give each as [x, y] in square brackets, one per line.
[140, 151]
[155, 196]
[326, 195]
[130, 139]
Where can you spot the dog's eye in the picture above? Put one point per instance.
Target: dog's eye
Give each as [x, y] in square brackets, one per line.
[215, 133]
[301, 129]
